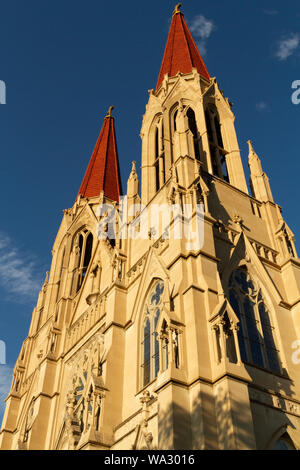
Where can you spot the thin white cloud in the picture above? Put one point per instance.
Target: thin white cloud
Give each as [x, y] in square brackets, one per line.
[262, 106]
[202, 47]
[5, 383]
[287, 46]
[202, 29]
[18, 272]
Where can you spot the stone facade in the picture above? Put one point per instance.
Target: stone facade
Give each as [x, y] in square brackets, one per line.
[150, 343]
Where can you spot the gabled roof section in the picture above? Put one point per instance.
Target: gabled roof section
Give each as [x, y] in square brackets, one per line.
[181, 53]
[103, 173]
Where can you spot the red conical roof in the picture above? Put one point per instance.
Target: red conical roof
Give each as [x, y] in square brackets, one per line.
[181, 53]
[103, 172]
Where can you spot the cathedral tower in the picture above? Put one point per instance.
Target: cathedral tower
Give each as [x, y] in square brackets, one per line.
[142, 337]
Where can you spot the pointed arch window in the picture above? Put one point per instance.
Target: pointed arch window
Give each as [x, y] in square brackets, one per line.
[284, 443]
[192, 124]
[83, 247]
[59, 282]
[194, 130]
[288, 243]
[150, 342]
[174, 120]
[216, 145]
[156, 162]
[159, 155]
[256, 333]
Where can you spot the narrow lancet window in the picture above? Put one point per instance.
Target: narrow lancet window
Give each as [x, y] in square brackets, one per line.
[216, 145]
[159, 155]
[146, 351]
[150, 340]
[156, 144]
[193, 128]
[82, 256]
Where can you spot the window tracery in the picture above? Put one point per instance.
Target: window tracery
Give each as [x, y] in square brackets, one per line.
[256, 333]
[85, 398]
[29, 420]
[150, 340]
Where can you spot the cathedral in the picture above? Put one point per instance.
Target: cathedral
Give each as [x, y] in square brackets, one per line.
[170, 317]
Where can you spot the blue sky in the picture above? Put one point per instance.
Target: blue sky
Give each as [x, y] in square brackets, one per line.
[64, 63]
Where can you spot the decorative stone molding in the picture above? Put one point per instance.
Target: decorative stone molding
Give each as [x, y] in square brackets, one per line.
[274, 401]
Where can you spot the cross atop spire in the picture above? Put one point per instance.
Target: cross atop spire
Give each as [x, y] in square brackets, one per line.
[103, 172]
[181, 53]
[109, 112]
[177, 9]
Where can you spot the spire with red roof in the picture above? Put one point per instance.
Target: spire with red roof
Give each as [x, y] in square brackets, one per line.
[181, 53]
[103, 173]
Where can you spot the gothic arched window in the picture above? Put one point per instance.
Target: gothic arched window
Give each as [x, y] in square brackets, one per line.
[150, 341]
[216, 145]
[194, 130]
[82, 250]
[174, 120]
[159, 155]
[256, 333]
[284, 443]
[191, 119]
[288, 243]
[59, 282]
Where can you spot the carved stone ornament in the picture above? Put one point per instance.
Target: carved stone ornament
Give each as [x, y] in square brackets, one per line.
[86, 390]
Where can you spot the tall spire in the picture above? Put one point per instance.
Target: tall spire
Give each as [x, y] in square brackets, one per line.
[181, 53]
[103, 172]
[258, 179]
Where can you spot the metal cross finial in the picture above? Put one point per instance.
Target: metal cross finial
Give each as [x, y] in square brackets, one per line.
[177, 9]
[109, 112]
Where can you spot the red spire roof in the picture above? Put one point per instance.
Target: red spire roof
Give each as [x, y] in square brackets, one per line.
[181, 53]
[103, 172]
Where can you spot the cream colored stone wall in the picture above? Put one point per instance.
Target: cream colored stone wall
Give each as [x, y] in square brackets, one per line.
[206, 402]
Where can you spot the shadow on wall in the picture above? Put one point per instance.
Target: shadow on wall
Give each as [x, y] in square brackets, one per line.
[218, 423]
[215, 206]
[280, 383]
[174, 428]
[209, 425]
